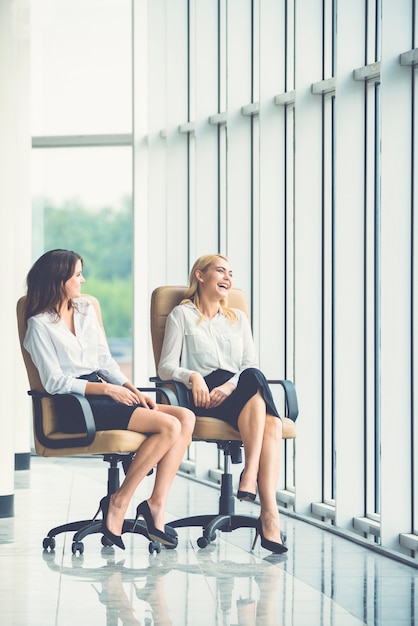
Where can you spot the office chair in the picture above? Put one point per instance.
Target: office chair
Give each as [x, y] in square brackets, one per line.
[209, 429]
[115, 446]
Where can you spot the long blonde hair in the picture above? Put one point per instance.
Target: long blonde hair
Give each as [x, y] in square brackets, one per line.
[192, 294]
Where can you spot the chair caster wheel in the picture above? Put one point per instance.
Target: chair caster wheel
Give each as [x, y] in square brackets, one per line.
[48, 542]
[203, 542]
[106, 542]
[77, 546]
[154, 546]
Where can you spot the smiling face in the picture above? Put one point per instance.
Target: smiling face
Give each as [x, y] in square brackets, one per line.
[73, 284]
[216, 280]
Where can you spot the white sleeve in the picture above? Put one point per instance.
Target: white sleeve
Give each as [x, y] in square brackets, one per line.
[169, 364]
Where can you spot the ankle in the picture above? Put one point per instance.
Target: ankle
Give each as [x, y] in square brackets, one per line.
[157, 512]
[248, 478]
[118, 504]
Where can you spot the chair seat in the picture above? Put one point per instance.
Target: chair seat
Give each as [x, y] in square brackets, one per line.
[210, 428]
[105, 442]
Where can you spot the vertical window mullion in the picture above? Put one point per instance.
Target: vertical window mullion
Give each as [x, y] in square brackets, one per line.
[289, 220]
[327, 257]
[376, 289]
[369, 295]
[414, 305]
[327, 297]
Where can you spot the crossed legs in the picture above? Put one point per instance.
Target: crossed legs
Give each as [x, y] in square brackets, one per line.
[262, 439]
[170, 430]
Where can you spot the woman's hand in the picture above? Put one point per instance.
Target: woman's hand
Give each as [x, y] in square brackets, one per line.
[121, 394]
[145, 401]
[130, 395]
[219, 394]
[200, 390]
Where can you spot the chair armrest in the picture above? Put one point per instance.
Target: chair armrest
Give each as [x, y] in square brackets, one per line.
[179, 397]
[81, 406]
[83, 410]
[291, 401]
[169, 394]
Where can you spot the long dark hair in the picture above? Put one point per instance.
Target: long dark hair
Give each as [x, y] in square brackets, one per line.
[46, 281]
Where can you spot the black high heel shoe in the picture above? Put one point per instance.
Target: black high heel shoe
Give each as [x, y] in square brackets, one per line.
[166, 538]
[273, 546]
[245, 496]
[104, 508]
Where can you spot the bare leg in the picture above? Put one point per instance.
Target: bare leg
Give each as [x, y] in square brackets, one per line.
[262, 439]
[169, 464]
[170, 429]
[268, 477]
[251, 425]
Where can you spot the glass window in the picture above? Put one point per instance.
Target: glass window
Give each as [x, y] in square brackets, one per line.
[81, 67]
[82, 200]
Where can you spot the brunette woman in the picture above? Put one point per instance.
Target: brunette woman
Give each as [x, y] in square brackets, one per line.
[70, 351]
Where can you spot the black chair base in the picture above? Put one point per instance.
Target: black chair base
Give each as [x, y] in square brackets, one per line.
[225, 520]
[211, 523]
[84, 528]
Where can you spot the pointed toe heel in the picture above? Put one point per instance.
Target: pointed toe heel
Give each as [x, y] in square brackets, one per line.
[273, 546]
[104, 508]
[167, 538]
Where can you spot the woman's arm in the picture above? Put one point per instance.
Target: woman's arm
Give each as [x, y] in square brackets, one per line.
[169, 364]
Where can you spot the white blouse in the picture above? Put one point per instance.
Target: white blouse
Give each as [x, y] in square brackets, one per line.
[210, 345]
[60, 356]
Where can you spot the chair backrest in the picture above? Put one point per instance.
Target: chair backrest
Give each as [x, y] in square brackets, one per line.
[33, 375]
[163, 301]
[50, 438]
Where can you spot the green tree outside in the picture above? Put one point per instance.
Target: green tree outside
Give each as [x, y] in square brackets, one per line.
[104, 239]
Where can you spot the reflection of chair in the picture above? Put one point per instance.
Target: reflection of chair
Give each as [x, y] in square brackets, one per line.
[147, 584]
[209, 429]
[50, 441]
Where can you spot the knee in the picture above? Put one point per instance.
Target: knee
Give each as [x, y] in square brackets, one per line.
[172, 428]
[274, 427]
[187, 420]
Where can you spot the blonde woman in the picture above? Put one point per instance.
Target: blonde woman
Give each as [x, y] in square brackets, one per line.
[209, 347]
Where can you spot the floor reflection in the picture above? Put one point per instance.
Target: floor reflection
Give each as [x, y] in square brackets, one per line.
[324, 580]
[117, 586]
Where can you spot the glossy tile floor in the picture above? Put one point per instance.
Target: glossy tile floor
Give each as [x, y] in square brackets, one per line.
[323, 580]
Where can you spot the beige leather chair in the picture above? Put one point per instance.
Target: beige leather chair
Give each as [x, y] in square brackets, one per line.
[209, 429]
[114, 446]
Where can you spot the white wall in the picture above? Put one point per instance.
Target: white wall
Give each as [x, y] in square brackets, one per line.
[15, 210]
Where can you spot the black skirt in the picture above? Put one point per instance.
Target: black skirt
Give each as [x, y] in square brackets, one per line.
[250, 381]
[108, 414]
